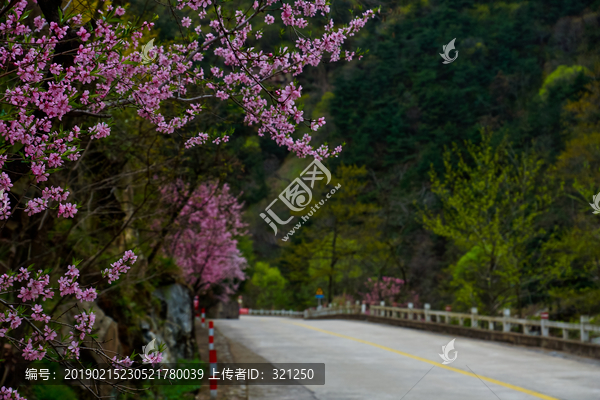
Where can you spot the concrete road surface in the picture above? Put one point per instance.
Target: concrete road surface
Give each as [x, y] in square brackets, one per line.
[372, 361]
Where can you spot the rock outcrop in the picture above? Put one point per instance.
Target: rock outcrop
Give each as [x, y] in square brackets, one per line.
[173, 323]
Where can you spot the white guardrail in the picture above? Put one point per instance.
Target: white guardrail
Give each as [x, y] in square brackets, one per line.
[290, 313]
[546, 327]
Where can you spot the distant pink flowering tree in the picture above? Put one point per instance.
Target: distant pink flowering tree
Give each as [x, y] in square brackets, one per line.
[387, 289]
[203, 242]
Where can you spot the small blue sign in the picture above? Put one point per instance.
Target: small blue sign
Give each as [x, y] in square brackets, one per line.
[319, 296]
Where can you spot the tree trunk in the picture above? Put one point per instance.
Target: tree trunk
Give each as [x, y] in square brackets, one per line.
[333, 261]
[330, 290]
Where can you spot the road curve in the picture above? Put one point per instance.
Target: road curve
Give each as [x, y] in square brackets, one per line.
[373, 361]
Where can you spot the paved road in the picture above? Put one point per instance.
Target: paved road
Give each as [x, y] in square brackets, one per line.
[372, 361]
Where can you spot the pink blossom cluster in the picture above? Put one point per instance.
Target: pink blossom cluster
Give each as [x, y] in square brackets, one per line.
[385, 289]
[85, 322]
[10, 394]
[73, 349]
[38, 314]
[197, 140]
[204, 241]
[120, 267]
[32, 353]
[107, 63]
[35, 286]
[68, 285]
[152, 358]
[123, 363]
[33, 292]
[40, 204]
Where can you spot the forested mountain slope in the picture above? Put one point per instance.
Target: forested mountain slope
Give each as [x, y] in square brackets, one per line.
[526, 76]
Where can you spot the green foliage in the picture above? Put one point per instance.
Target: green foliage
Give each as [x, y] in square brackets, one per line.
[465, 276]
[562, 74]
[402, 104]
[490, 206]
[54, 392]
[335, 247]
[268, 287]
[572, 252]
[176, 392]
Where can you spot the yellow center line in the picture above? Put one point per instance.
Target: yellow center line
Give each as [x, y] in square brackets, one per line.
[460, 371]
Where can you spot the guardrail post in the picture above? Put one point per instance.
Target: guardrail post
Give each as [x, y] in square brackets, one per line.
[461, 321]
[585, 335]
[474, 318]
[506, 324]
[544, 324]
[382, 311]
[493, 321]
[545, 329]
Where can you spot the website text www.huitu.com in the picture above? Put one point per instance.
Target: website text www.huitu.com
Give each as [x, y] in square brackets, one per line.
[309, 214]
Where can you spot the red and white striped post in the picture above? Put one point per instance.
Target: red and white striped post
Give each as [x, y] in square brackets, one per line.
[211, 336]
[203, 318]
[212, 359]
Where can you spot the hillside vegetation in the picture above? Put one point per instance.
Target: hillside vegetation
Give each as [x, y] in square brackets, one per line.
[471, 180]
